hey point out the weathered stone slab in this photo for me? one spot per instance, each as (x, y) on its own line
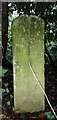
(28, 46)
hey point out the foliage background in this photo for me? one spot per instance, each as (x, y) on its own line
(48, 12)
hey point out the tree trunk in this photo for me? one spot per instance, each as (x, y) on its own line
(0, 33)
(4, 28)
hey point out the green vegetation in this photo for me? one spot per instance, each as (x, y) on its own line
(2, 73)
(49, 115)
(47, 11)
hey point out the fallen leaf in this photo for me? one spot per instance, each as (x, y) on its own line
(41, 116)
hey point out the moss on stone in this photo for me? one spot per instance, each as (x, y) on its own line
(28, 46)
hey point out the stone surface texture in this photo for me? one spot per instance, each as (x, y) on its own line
(28, 46)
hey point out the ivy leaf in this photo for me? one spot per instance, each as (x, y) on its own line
(7, 90)
(49, 117)
(1, 91)
(13, 109)
(10, 20)
(6, 84)
(48, 113)
(8, 103)
(2, 71)
(11, 96)
(0, 80)
(52, 117)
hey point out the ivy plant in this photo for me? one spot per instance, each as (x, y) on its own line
(50, 116)
(2, 73)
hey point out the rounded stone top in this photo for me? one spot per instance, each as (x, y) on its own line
(34, 17)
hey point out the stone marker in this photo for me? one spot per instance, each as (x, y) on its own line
(28, 46)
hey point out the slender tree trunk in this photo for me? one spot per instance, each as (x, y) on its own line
(0, 33)
(4, 28)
